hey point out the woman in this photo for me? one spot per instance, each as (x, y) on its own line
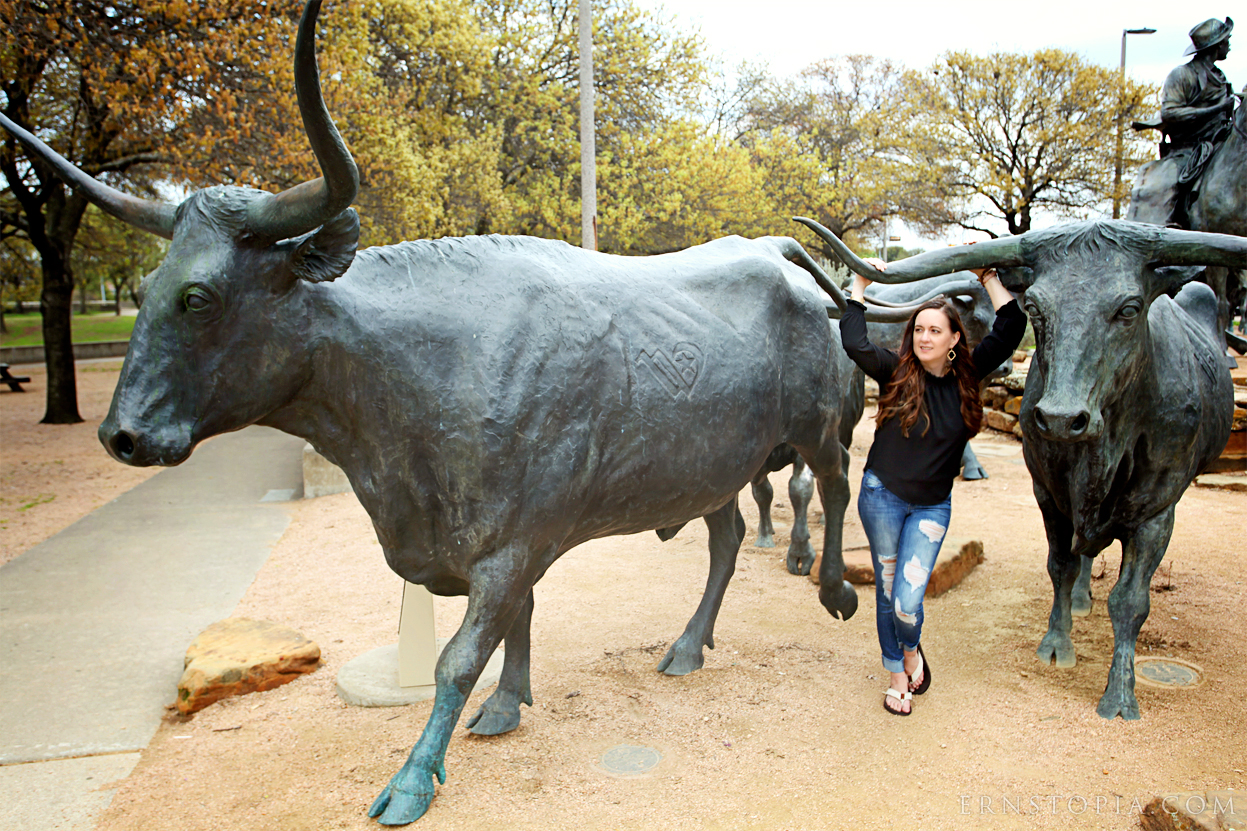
(929, 407)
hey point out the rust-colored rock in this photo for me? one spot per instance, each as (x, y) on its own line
(1211, 811)
(997, 420)
(949, 571)
(1014, 405)
(1234, 457)
(236, 656)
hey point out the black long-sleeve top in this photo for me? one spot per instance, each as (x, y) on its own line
(920, 469)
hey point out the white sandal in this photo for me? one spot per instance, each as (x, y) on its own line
(899, 696)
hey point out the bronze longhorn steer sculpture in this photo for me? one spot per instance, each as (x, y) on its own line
(1127, 399)
(494, 401)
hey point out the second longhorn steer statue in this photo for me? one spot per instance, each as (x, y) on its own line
(1127, 399)
(494, 401)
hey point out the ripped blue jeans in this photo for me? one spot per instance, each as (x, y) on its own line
(904, 541)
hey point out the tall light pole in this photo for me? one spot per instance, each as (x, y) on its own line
(1121, 102)
(588, 149)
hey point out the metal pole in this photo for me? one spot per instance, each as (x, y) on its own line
(1121, 103)
(1121, 97)
(588, 150)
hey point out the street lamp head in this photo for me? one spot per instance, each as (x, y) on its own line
(1143, 31)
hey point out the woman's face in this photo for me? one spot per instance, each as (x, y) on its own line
(933, 338)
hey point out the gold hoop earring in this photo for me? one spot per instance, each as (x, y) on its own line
(952, 356)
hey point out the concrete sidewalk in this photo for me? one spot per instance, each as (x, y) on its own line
(94, 622)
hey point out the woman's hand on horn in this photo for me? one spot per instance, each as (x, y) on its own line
(857, 290)
(985, 274)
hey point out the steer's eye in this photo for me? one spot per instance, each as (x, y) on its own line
(1129, 312)
(197, 300)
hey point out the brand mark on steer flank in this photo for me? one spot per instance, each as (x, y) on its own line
(677, 373)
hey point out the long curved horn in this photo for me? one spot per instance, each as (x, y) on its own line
(1006, 251)
(1177, 247)
(949, 289)
(793, 252)
(310, 204)
(156, 217)
(876, 313)
(890, 314)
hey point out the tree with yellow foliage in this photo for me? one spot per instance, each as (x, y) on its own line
(1014, 134)
(836, 143)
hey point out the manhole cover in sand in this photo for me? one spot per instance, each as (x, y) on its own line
(630, 760)
(1167, 672)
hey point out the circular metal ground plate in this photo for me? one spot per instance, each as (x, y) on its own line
(1168, 673)
(630, 760)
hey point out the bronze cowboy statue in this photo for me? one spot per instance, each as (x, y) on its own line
(1196, 109)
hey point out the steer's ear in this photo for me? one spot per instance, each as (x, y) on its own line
(327, 253)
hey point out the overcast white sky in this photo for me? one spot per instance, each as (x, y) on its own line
(790, 34)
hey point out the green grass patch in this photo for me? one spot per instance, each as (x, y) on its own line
(41, 499)
(27, 329)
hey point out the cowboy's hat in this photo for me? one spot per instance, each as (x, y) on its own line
(1209, 33)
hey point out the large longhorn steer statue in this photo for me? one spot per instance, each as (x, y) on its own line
(495, 401)
(1127, 399)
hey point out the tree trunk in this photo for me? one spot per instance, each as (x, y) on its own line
(56, 305)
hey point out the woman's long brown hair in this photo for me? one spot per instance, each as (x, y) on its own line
(904, 396)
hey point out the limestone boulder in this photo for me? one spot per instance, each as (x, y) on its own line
(1015, 382)
(998, 420)
(238, 656)
(995, 396)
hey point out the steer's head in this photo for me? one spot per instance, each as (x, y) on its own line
(217, 343)
(1089, 288)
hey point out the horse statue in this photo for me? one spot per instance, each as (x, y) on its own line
(1218, 204)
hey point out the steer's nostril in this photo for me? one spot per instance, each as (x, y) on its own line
(1079, 424)
(1041, 422)
(123, 445)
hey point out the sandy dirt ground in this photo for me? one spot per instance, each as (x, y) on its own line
(782, 729)
(53, 474)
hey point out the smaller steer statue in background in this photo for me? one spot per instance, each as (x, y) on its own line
(1127, 399)
(494, 401)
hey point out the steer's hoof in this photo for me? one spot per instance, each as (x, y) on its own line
(493, 720)
(765, 541)
(396, 806)
(680, 660)
(973, 473)
(1058, 647)
(409, 793)
(1080, 604)
(800, 558)
(840, 600)
(1114, 704)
